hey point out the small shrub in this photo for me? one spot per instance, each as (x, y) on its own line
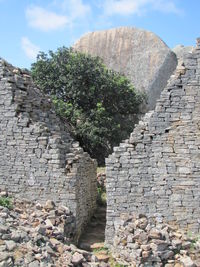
(97, 250)
(101, 197)
(6, 202)
(114, 263)
(193, 239)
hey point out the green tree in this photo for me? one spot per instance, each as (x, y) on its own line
(100, 104)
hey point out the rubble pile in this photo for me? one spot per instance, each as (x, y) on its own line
(140, 241)
(41, 235)
(36, 235)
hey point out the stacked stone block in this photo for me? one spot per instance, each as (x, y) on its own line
(38, 158)
(156, 171)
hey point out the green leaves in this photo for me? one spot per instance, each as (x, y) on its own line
(100, 104)
(6, 202)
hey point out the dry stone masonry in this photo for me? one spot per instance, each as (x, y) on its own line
(139, 54)
(38, 158)
(156, 171)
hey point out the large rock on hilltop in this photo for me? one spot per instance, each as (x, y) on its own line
(139, 54)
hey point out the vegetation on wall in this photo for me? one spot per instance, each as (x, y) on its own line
(99, 104)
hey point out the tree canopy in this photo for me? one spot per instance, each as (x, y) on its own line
(99, 104)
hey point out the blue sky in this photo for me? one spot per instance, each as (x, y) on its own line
(29, 26)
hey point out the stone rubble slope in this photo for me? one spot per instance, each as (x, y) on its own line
(139, 54)
(140, 241)
(36, 235)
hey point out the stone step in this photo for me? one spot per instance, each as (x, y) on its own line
(95, 224)
(87, 243)
(95, 232)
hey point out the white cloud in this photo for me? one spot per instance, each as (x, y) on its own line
(29, 48)
(138, 7)
(75, 8)
(122, 7)
(166, 6)
(44, 20)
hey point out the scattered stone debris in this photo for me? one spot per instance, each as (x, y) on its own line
(35, 235)
(140, 241)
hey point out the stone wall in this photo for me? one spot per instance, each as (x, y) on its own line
(38, 158)
(156, 171)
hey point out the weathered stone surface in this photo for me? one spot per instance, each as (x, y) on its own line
(77, 259)
(140, 55)
(10, 244)
(187, 262)
(39, 160)
(182, 51)
(159, 163)
(102, 257)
